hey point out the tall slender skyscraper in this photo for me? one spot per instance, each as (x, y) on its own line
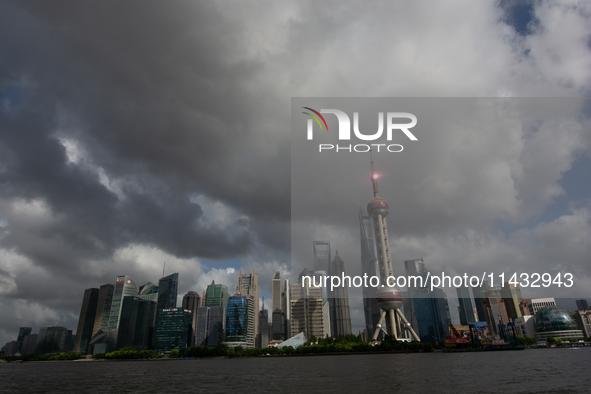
(103, 309)
(248, 285)
(286, 308)
(276, 314)
(192, 302)
(466, 306)
(86, 320)
(124, 286)
(370, 266)
(389, 298)
(168, 291)
(341, 321)
(511, 296)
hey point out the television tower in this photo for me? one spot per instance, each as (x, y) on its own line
(389, 298)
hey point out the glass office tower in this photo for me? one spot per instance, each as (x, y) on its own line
(168, 291)
(173, 329)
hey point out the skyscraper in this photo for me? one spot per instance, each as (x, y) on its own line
(322, 262)
(341, 321)
(53, 339)
(511, 296)
(479, 297)
(173, 328)
(286, 308)
(124, 286)
(192, 302)
(389, 298)
(240, 321)
(307, 310)
(322, 255)
(103, 309)
(216, 295)
(495, 311)
(277, 315)
(136, 324)
(86, 320)
(210, 326)
(264, 326)
(248, 285)
(168, 291)
(370, 266)
(466, 307)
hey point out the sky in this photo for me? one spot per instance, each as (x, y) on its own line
(135, 133)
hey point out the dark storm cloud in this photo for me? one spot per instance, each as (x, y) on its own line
(154, 104)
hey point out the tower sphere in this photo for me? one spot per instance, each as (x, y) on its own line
(389, 298)
(378, 206)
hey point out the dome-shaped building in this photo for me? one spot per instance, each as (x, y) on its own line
(556, 322)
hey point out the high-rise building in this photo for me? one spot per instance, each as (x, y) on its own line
(136, 325)
(369, 266)
(173, 327)
(53, 339)
(479, 298)
(248, 285)
(341, 321)
(430, 310)
(323, 262)
(582, 305)
(322, 257)
(511, 296)
(412, 268)
(466, 308)
(314, 278)
(277, 316)
(86, 320)
(103, 309)
(210, 327)
(124, 286)
(192, 302)
(29, 344)
(240, 321)
(168, 291)
(264, 326)
(216, 295)
(23, 332)
(286, 309)
(307, 310)
(495, 311)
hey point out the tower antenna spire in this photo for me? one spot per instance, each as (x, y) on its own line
(163, 267)
(374, 177)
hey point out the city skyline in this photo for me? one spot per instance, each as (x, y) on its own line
(126, 143)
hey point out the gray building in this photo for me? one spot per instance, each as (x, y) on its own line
(248, 285)
(466, 309)
(192, 302)
(53, 339)
(86, 320)
(29, 344)
(341, 314)
(369, 266)
(210, 326)
(103, 310)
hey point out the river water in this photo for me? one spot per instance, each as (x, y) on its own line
(560, 370)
